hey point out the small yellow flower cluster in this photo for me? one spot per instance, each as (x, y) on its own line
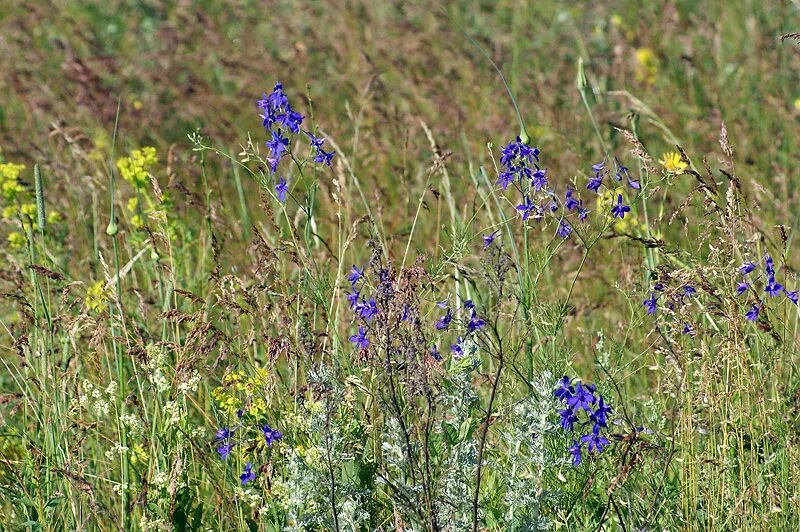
(96, 296)
(135, 169)
(238, 390)
(16, 202)
(646, 65)
(673, 163)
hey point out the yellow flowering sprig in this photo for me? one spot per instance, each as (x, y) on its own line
(673, 163)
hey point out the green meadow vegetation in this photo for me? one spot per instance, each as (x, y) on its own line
(375, 266)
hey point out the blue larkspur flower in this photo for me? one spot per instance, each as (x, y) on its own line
(594, 441)
(650, 304)
(741, 288)
(527, 208)
(619, 210)
(271, 435)
(565, 389)
(247, 475)
(747, 267)
(488, 239)
(791, 295)
(752, 314)
(281, 189)
(475, 323)
(563, 229)
(443, 323)
(568, 418)
(224, 450)
(360, 339)
(277, 145)
(355, 275)
(570, 202)
(583, 397)
(456, 349)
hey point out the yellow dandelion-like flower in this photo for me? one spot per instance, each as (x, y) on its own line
(673, 163)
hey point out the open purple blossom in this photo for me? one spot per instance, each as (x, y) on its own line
(355, 275)
(688, 290)
(443, 323)
(688, 329)
(224, 450)
(488, 239)
(281, 189)
(565, 389)
(595, 442)
(367, 309)
(747, 267)
(248, 474)
(570, 202)
(223, 433)
(619, 210)
(600, 415)
(564, 229)
(468, 304)
(360, 339)
(456, 349)
(650, 303)
(474, 323)
(773, 288)
(271, 435)
(539, 179)
(526, 208)
(583, 397)
(323, 157)
(791, 296)
(277, 145)
(290, 120)
(352, 298)
(741, 288)
(315, 142)
(752, 314)
(568, 418)
(505, 179)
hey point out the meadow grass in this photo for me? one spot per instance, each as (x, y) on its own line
(179, 349)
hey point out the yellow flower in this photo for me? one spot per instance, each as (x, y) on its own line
(616, 20)
(16, 240)
(53, 217)
(135, 169)
(139, 455)
(96, 296)
(646, 65)
(137, 222)
(28, 209)
(10, 171)
(673, 163)
(797, 104)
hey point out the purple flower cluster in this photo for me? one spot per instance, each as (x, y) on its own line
(772, 287)
(224, 437)
(472, 322)
(585, 407)
(281, 122)
(680, 298)
(365, 307)
(520, 167)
